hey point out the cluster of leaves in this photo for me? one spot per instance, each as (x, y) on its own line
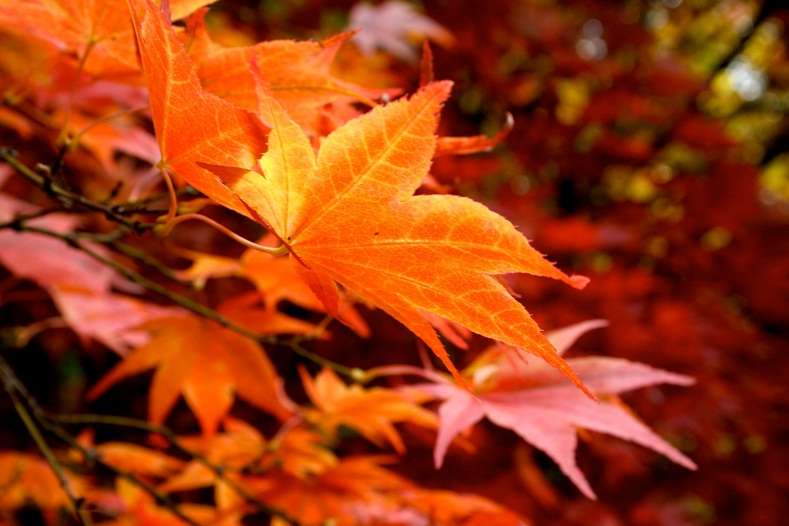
(651, 168)
(129, 123)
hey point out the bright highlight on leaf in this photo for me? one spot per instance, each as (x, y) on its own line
(348, 214)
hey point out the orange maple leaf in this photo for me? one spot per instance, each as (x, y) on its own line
(349, 216)
(96, 31)
(132, 505)
(191, 124)
(27, 478)
(243, 453)
(372, 412)
(205, 362)
(298, 73)
(359, 490)
(276, 279)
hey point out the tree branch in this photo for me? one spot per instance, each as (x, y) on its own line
(74, 240)
(10, 383)
(219, 471)
(67, 198)
(37, 417)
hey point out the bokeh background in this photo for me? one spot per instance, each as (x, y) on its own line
(650, 153)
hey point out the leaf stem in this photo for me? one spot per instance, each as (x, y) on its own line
(172, 209)
(280, 250)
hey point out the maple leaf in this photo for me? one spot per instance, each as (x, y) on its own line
(332, 493)
(238, 446)
(207, 364)
(532, 400)
(360, 491)
(246, 310)
(299, 452)
(95, 29)
(279, 279)
(104, 139)
(78, 284)
(297, 73)
(339, 404)
(137, 459)
(392, 26)
(348, 215)
(295, 449)
(27, 478)
(276, 279)
(133, 505)
(241, 450)
(192, 125)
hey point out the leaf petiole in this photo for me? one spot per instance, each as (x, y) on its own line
(166, 227)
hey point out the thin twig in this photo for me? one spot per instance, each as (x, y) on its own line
(132, 275)
(172, 207)
(68, 198)
(36, 414)
(219, 472)
(10, 382)
(140, 206)
(73, 240)
(113, 240)
(145, 258)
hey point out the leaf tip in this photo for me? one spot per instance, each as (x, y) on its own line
(426, 65)
(439, 89)
(578, 281)
(565, 369)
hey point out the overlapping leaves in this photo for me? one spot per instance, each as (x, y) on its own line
(348, 214)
